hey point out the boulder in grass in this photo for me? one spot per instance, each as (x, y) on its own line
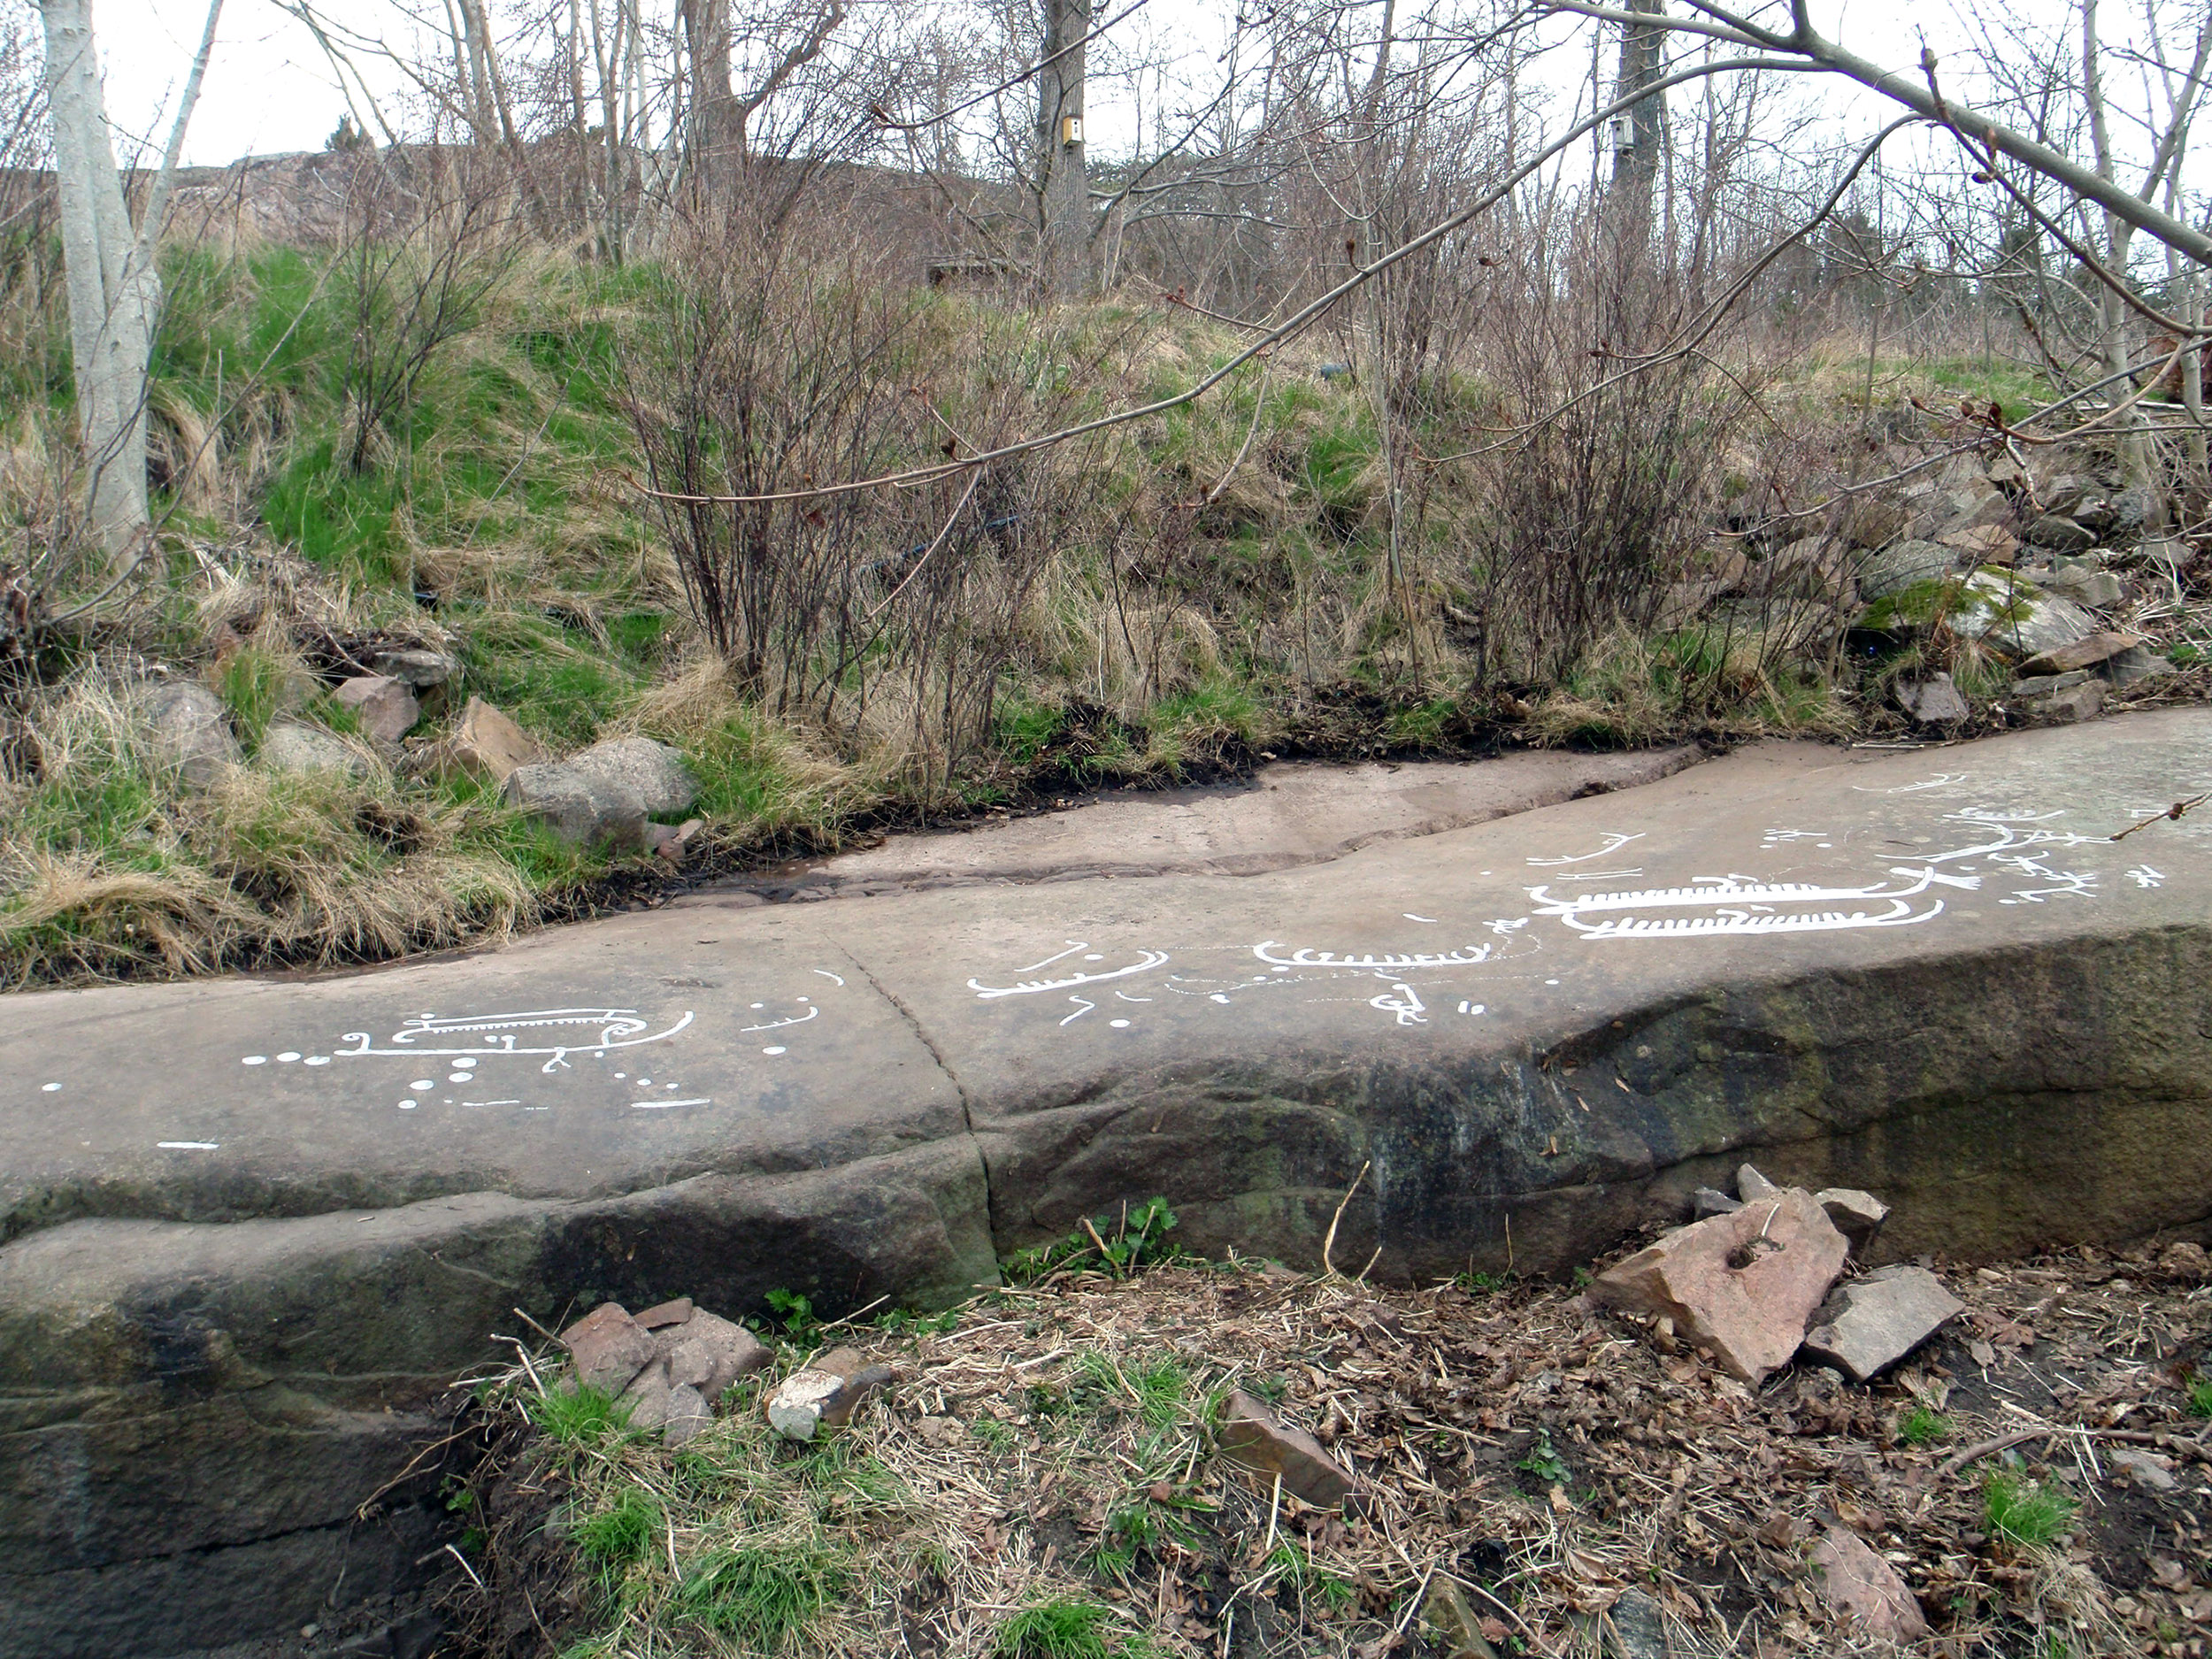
(486, 744)
(1931, 701)
(1901, 565)
(654, 772)
(385, 707)
(190, 730)
(415, 666)
(579, 807)
(296, 747)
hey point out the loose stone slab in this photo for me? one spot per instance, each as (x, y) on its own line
(1251, 1437)
(1874, 1322)
(1856, 1581)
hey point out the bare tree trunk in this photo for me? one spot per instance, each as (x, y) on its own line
(1638, 135)
(1063, 182)
(114, 289)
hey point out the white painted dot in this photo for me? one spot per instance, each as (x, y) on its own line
(318, 1059)
(1551, 982)
(424, 1083)
(465, 1063)
(50, 1088)
(620, 1075)
(1094, 957)
(255, 1059)
(806, 999)
(775, 1051)
(407, 1105)
(672, 1085)
(760, 1005)
(458, 1077)
(1216, 997)
(598, 1054)
(645, 1082)
(1117, 1023)
(287, 1057)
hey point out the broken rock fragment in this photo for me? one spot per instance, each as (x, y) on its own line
(687, 1413)
(1860, 1583)
(1872, 1322)
(1743, 1284)
(1710, 1201)
(609, 1347)
(1858, 1215)
(1250, 1436)
(1750, 1185)
(824, 1394)
(385, 707)
(709, 1353)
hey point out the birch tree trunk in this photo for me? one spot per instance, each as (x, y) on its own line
(114, 295)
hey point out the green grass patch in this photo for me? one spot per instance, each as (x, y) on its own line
(765, 1596)
(2022, 1511)
(581, 1417)
(1922, 1427)
(1060, 1629)
(614, 1539)
(2201, 1396)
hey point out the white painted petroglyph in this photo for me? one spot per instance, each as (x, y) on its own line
(668, 1105)
(188, 1145)
(777, 1024)
(1613, 843)
(1402, 1001)
(1148, 960)
(1389, 962)
(613, 1028)
(826, 974)
(2144, 876)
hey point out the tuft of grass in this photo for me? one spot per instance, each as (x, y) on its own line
(2201, 1396)
(615, 1538)
(1922, 1427)
(1059, 1629)
(1137, 1239)
(580, 1418)
(2022, 1511)
(766, 1596)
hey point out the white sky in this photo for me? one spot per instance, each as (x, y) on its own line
(269, 89)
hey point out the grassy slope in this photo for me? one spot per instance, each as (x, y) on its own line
(497, 488)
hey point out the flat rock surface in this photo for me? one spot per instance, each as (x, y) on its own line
(257, 1223)
(1289, 814)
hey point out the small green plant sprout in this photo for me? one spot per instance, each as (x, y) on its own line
(1544, 1462)
(795, 1310)
(2201, 1395)
(1923, 1427)
(1314, 1584)
(1059, 1629)
(2023, 1512)
(1121, 1245)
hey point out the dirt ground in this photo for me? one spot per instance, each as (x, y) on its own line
(1590, 1486)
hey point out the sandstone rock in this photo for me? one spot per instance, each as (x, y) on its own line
(687, 1413)
(415, 667)
(654, 772)
(385, 707)
(1251, 1437)
(607, 1346)
(1858, 1215)
(2090, 588)
(2047, 685)
(1743, 1285)
(190, 730)
(2166, 555)
(1634, 1628)
(1859, 1583)
(2060, 534)
(2012, 616)
(1901, 565)
(647, 1398)
(2135, 509)
(671, 844)
(2086, 653)
(2145, 1469)
(1982, 544)
(578, 807)
(1872, 1322)
(2136, 665)
(1454, 1627)
(2006, 473)
(2062, 492)
(1934, 701)
(824, 1395)
(293, 746)
(709, 1353)
(1869, 523)
(664, 1313)
(1750, 1184)
(489, 745)
(2065, 704)
(1708, 1201)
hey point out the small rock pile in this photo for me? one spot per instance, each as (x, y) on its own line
(1752, 1283)
(668, 1367)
